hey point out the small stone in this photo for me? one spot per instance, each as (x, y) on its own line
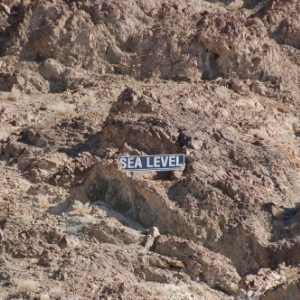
(277, 212)
(153, 231)
(175, 175)
(4, 276)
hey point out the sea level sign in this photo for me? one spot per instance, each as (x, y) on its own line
(162, 162)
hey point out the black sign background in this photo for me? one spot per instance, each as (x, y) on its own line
(163, 162)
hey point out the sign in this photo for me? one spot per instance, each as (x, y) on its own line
(163, 162)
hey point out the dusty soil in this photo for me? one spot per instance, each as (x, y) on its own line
(83, 82)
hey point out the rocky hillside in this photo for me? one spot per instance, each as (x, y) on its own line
(84, 82)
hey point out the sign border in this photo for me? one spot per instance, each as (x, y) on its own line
(154, 169)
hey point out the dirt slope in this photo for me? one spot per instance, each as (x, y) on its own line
(83, 82)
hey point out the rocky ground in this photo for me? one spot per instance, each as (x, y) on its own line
(83, 82)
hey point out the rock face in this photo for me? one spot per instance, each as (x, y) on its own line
(200, 263)
(84, 82)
